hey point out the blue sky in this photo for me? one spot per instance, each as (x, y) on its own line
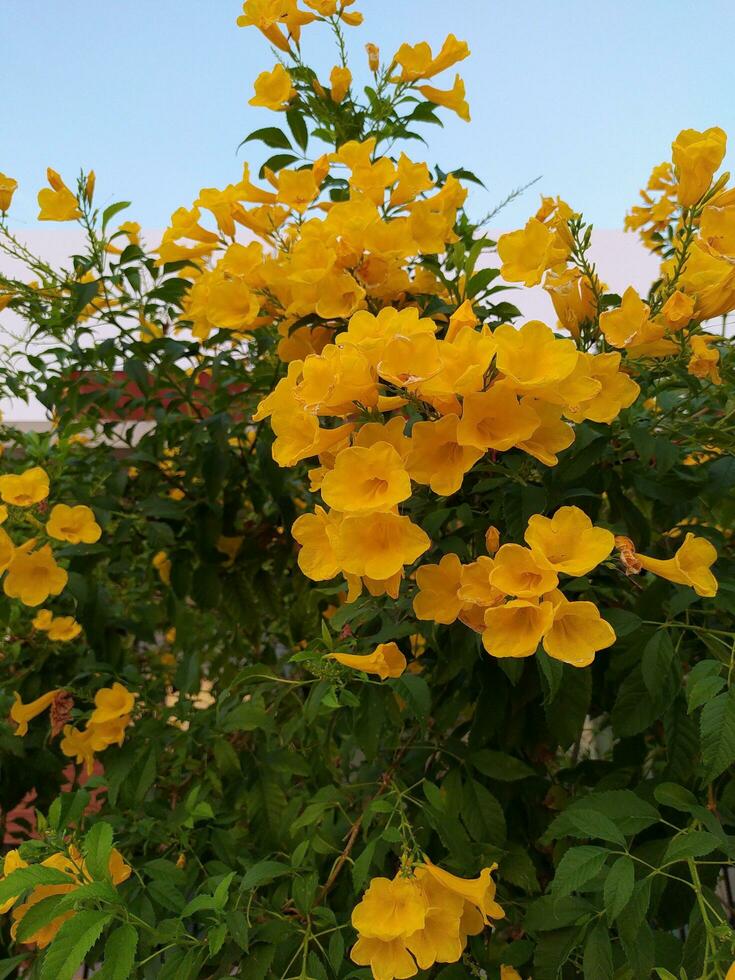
(153, 93)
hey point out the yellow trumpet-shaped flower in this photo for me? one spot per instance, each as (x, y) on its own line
(696, 157)
(57, 203)
(527, 253)
(438, 599)
(577, 633)
(516, 628)
(73, 524)
(21, 713)
(63, 629)
(378, 545)
(366, 479)
(518, 571)
(436, 456)
(478, 892)
(568, 542)
(453, 98)
(533, 357)
(33, 576)
(273, 89)
(386, 660)
(8, 187)
(690, 566)
(112, 703)
(25, 489)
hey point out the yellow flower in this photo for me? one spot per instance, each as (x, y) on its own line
(573, 299)
(388, 960)
(12, 862)
(517, 628)
(527, 253)
(492, 540)
(273, 89)
(552, 435)
(42, 620)
(390, 909)
(568, 542)
(417, 60)
(366, 479)
(63, 628)
(509, 972)
(340, 80)
(7, 550)
(717, 225)
(440, 940)
(57, 203)
(532, 357)
(629, 326)
(689, 566)
(73, 524)
(373, 53)
(24, 489)
(46, 933)
(495, 419)
(33, 576)
(437, 458)
(386, 660)
(518, 571)
(21, 713)
(112, 703)
(478, 892)
(162, 564)
(300, 437)
(437, 599)
(710, 280)
(678, 310)
(616, 390)
(8, 187)
(696, 157)
(704, 360)
(314, 532)
(378, 545)
(453, 98)
(577, 632)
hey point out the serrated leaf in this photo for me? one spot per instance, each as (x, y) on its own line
(658, 658)
(717, 731)
(119, 957)
(73, 941)
(619, 886)
(37, 916)
(693, 844)
(415, 692)
(579, 865)
(264, 872)
(597, 963)
(96, 848)
(24, 878)
(500, 766)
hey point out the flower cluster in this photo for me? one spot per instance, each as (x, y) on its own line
(32, 573)
(105, 726)
(70, 864)
(421, 917)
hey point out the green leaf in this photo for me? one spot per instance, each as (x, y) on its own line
(119, 958)
(619, 886)
(264, 872)
(677, 797)
(96, 848)
(73, 941)
(598, 960)
(717, 731)
(582, 822)
(704, 682)
(498, 765)
(692, 844)
(658, 657)
(24, 878)
(552, 912)
(271, 136)
(415, 692)
(111, 210)
(579, 865)
(298, 127)
(277, 162)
